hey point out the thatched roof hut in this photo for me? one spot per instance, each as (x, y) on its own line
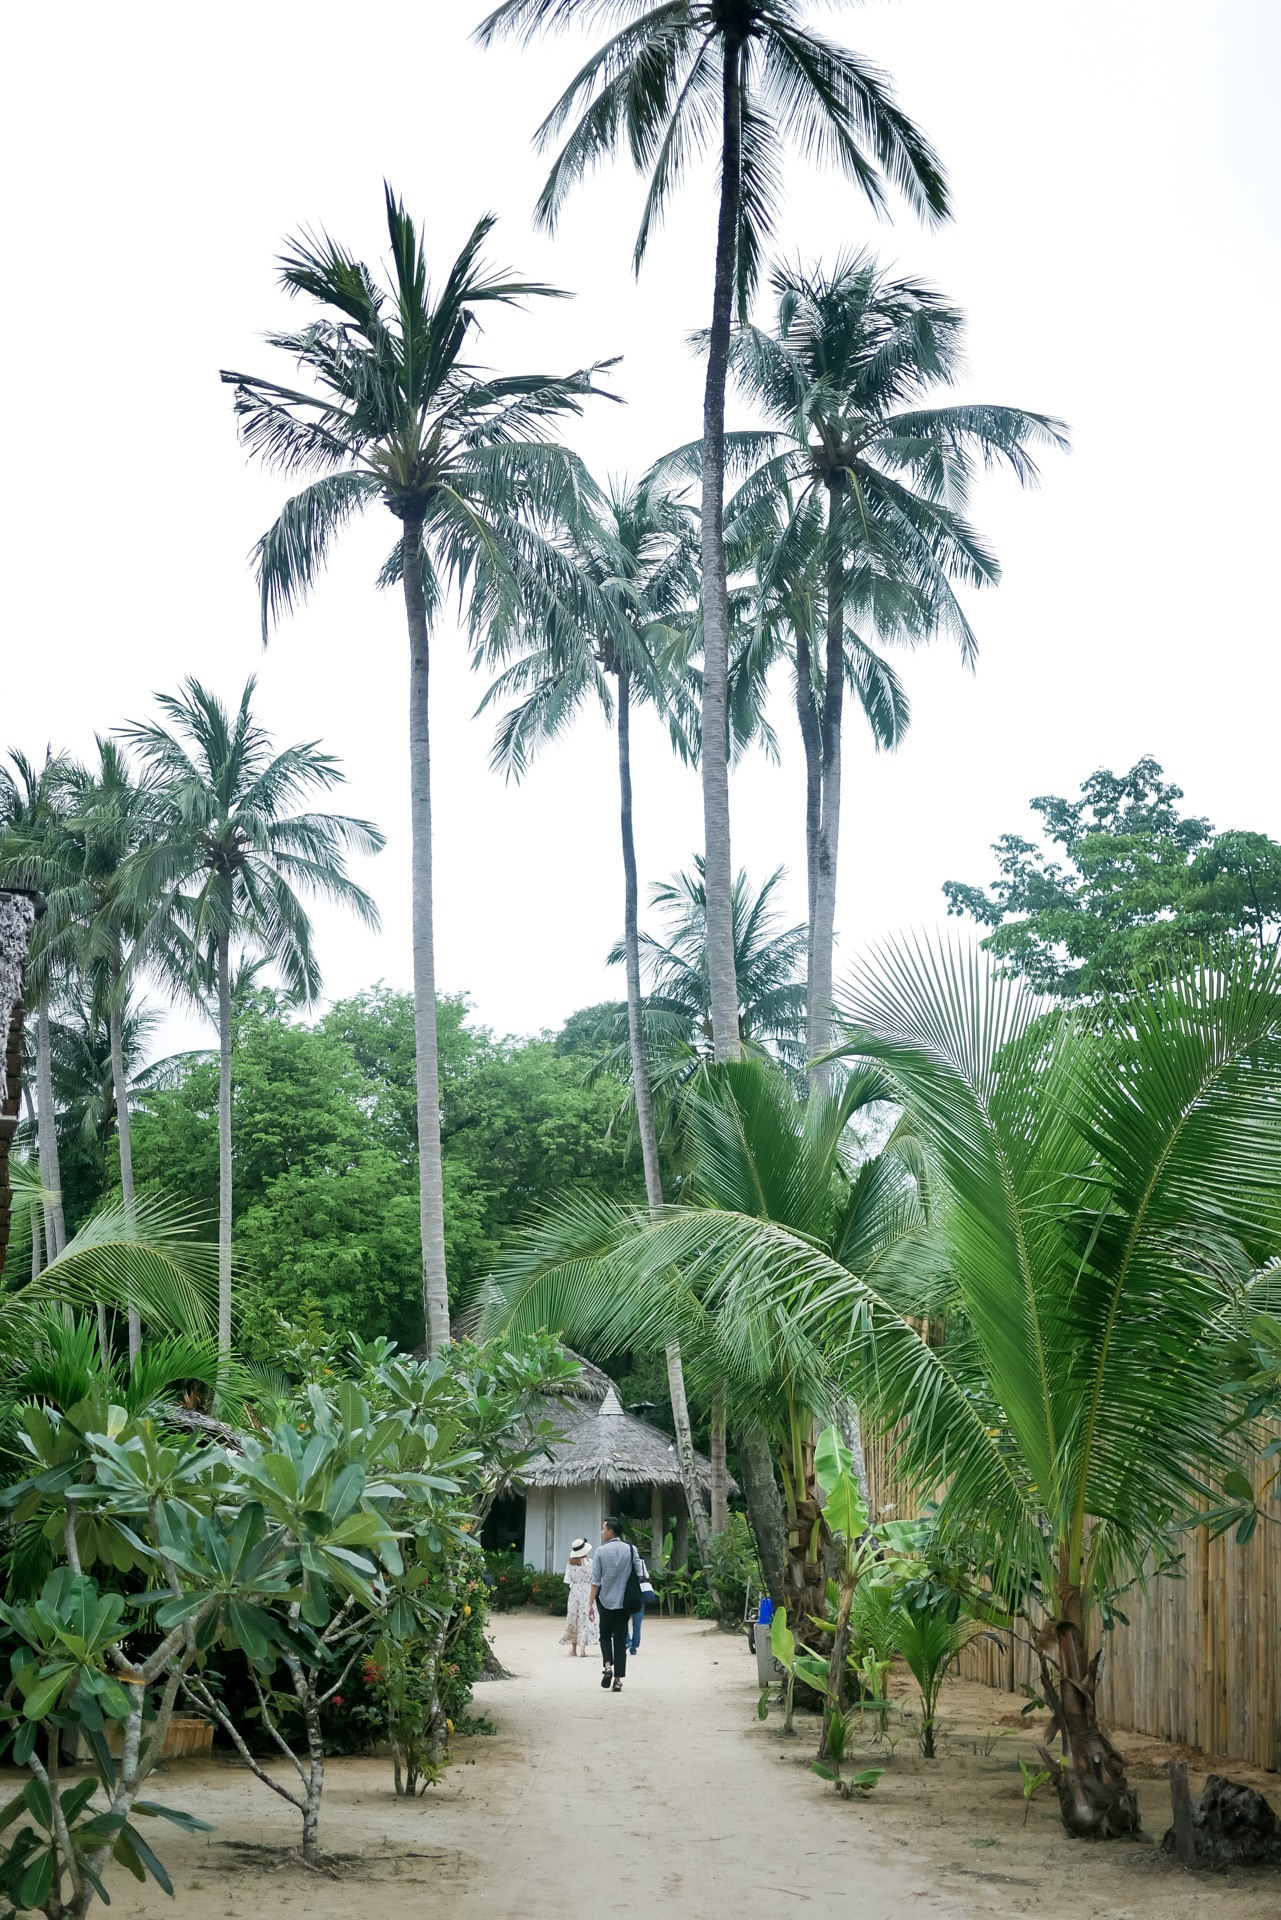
(606, 1444)
(605, 1453)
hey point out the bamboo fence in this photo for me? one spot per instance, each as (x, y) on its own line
(1199, 1662)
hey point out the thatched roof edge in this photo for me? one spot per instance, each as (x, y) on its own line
(612, 1446)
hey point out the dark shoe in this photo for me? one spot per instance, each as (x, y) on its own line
(618, 1686)
(607, 1676)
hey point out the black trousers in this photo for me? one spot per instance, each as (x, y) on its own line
(614, 1624)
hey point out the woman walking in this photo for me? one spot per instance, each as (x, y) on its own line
(581, 1631)
(616, 1576)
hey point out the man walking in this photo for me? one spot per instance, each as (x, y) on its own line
(614, 1564)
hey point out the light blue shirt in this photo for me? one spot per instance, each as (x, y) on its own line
(611, 1564)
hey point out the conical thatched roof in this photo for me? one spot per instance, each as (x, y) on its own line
(610, 1445)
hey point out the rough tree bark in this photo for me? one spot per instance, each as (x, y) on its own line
(1094, 1797)
(807, 1535)
(812, 744)
(120, 1089)
(764, 1505)
(685, 1452)
(431, 1191)
(716, 1453)
(224, 1143)
(819, 996)
(17, 916)
(55, 1231)
(631, 943)
(37, 1237)
(715, 755)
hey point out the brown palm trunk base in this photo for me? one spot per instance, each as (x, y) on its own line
(9, 1124)
(1095, 1799)
(835, 1702)
(806, 1576)
(18, 910)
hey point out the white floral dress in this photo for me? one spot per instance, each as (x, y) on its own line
(579, 1631)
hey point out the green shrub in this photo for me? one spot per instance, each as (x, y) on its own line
(513, 1584)
(734, 1569)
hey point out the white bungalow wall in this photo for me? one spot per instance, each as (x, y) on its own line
(577, 1511)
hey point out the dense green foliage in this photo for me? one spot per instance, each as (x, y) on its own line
(1136, 883)
(325, 1140)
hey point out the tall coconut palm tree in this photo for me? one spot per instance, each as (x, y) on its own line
(866, 476)
(30, 803)
(458, 456)
(745, 76)
(781, 614)
(106, 825)
(227, 859)
(637, 552)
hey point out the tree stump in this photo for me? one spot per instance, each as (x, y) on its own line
(1232, 1826)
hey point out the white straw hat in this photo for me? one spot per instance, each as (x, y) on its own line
(578, 1548)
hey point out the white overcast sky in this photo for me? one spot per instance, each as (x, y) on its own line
(1115, 173)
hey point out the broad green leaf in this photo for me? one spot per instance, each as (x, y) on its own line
(148, 1858)
(36, 1882)
(45, 1693)
(844, 1510)
(36, 1795)
(807, 1667)
(123, 1851)
(782, 1641)
(347, 1490)
(187, 1821)
(77, 1798)
(832, 1458)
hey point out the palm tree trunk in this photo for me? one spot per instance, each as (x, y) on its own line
(55, 1229)
(813, 808)
(431, 1184)
(121, 1092)
(715, 754)
(720, 1471)
(631, 942)
(820, 993)
(685, 1452)
(224, 1143)
(37, 1256)
(847, 1419)
(764, 1504)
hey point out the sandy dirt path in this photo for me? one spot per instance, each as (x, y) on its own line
(668, 1797)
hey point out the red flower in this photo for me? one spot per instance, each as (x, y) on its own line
(337, 1699)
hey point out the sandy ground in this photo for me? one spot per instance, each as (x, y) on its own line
(672, 1796)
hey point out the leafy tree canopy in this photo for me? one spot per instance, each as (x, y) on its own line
(1136, 883)
(326, 1169)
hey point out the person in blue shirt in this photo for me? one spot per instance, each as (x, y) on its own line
(612, 1566)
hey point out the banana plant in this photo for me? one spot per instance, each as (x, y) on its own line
(796, 1666)
(838, 1733)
